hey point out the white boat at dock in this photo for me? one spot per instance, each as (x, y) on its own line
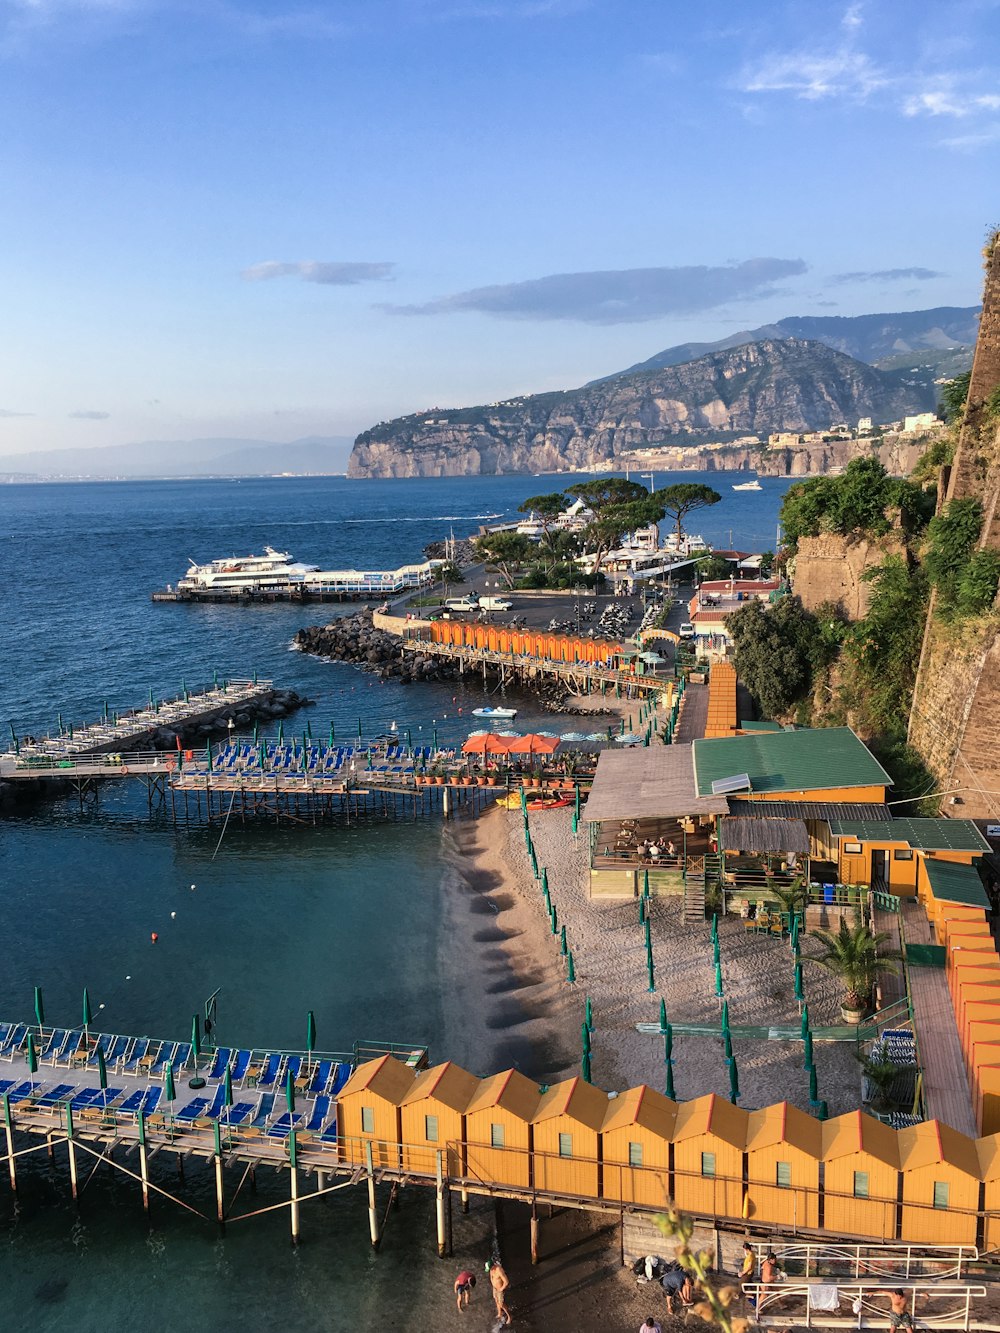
(505, 713)
(276, 576)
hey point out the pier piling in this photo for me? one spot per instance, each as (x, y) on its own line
(442, 1235)
(220, 1209)
(372, 1214)
(294, 1173)
(71, 1146)
(143, 1163)
(534, 1233)
(10, 1143)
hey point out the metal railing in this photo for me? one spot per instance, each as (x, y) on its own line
(822, 1259)
(792, 1303)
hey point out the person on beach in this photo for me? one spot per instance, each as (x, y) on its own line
(899, 1309)
(677, 1283)
(499, 1281)
(463, 1289)
(749, 1265)
(651, 1326)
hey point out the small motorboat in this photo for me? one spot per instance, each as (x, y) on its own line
(749, 486)
(494, 712)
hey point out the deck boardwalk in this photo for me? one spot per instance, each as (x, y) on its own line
(946, 1089)
(694, 715)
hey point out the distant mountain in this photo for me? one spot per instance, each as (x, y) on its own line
(756, 388)
(865, 337)
(183, 458)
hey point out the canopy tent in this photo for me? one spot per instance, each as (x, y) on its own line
(533, 743)
(487, 743)
(653, 783)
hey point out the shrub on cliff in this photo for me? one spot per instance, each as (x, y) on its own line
(774, 651)
(863, 499)
(951, 538)
(883, 649)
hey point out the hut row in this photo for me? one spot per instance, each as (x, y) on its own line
(722, 719)
(850, 1176)
(525, 643)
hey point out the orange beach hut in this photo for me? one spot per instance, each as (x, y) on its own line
(368, 1110)
(567, 1135)
(861, 1176)
(635, 1146)
(498, 1129)
(784, 1148)
(433, 1120)
(940, 1171)
(710, 1136)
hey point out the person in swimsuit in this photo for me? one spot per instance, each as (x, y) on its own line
(463, 1289)
(499, 1281)
(899, 1309)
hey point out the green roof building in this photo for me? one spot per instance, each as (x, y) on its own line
(827, 759)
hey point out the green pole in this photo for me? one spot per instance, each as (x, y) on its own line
(562, 944)
(588, 1012)
(668, 1043)
(808, 1061)
(555, 919)
(585, 1043)
(642, 910)
(649, 972)
(645, 883)
(663, 1014)
(669, 1085)
(570, 969)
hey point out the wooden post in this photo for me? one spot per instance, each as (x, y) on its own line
(442, 1239)
(72, 1151)
(143, 1165)
(446, 802)
(9, 1129)
(292, 1158)
(372, 1215)
(534, 1233)
(220, 1207)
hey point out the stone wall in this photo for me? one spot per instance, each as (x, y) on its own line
(829, 568)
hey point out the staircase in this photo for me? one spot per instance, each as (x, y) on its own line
(698, 874)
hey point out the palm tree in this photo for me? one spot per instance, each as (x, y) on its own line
(793, 897)
(881, 1075)
(855, 953)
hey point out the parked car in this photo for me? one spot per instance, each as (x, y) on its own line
(461, 604)
(686, 630)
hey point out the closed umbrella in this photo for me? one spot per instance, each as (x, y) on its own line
(102, 1073)
(290, 1092)
(585, 1068)
(669, 1084)
(195, 1040)
(805, 1021)
(718, 979)
(281, 733)
(39, 1010)
(585, 1037)
(715, 925)
(645, 883)
(808, 1061)
(227, 1089)
(799, 992)
(208, 755)
(663, 1014)
(32, 1057)
(734, 1082)
(813, 1084)
(87, 1017)
(310, 1033)
(716, 953)
(668, 1043)
(169, 1091)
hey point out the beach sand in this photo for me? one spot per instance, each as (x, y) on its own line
(511, 1004)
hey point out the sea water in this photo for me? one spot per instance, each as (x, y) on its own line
(280, 920)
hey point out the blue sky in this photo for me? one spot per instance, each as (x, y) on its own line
(272, 220)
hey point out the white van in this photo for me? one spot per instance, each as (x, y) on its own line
(495, 604)
(461, 604)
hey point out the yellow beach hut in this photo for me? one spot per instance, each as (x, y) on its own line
(498, 1129)
(433, 1119)
(988, 1152)
(368, 1110)
(635, 1146)
(784, 1149)
(940, 1169)
(567, 1138)
(861, 1176)
(710, 1136)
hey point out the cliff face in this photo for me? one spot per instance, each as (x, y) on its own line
(830, 568)
(756, 389)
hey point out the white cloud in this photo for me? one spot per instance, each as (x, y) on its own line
(942, 98)
(813, 75)
(332, 274)
(6, 414)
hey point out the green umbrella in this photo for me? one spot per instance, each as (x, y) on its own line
(808, 1061)
(663, 1014)
(545, 879)
(799, 992)
(570, 968)
(725, 1015)
(715, 925)
(195, 1040)
(227, 1088)
(310, 1032)
(649, 937)
(716, 953)
(309, 730)
(805, 1021)
(87, 1017)
(290, 1092)
(555, 920)
(208, 755)
(577, 806)
(650, 972)
(585, 1038)
(585, 1068)
(813, 1084)
(562, 944)
(669, 1085)
(281, 732)
(169, 1091)
(727, 1044)
(61, 722)
(102, 1072)
(734, 1082)
(588, 1011)
(645, 883)
(39, 1009)
(256, 732)
(718, 979)
(32, 1054)
(333, 733)
(668, 1043)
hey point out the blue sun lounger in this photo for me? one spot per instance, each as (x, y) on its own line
(86, 1098)
(292, 1066)
(23, 1090)
(215, 1110)
(101, 1044)
(282, 1127)
(194, 1110)
(58, 1094)
(56, 1038)
(138, 1051)
(270, 1072)
(264, 1108)
(223, 1055)
(5, 1085)
(14, 1039)
(340, 1076)
(240, 1065)
(329, 1134)
(145, 1100)
(164, 1057)
(4, 1033)
(69, 1046)
(116, 1050)
(321, 1077)
(238, 1113)
(320, 1112)
(182, 1053)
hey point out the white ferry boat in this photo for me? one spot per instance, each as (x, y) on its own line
(272, 571)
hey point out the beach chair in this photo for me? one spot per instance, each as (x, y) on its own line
(341, 1073)
(117, 1050)
(24, 1090)
(69, 1047)
(101, 1044)
(321, 1077)
(269, 1074)
(264, 1108)
(14, 1040)
(5, 1085)
(240, 1065)
(182, 1053)
(329, 1135)
(56, 1038)
(194, 1110)
(217, 1107)
(57, 1094)
(86, 1097)
(239, 1113)
(164, 1057)
(223, 1054)
(292, 1066)
(139, 1049)
(283, 1126)
(320, 1111)
(134, 1102)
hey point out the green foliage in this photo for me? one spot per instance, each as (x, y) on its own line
(766, 564)
(774, 652)
(547, 507)
(859, 500)
(450, 573)
(977, 584)
(911, 779)
(598, 495)
(950, 540)
(993, 403)
(508, 551)
(883, 649)
(683, 499)
(953, 395)
(855, 954)
(713, 567)
(934, 457)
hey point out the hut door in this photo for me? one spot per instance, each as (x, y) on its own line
(878, 869)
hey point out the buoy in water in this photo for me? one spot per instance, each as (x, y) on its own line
(194, 886)
(173, 916)
(129, 977)
(153, 936)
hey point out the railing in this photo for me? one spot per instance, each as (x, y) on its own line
(790, 1302)
(822, 1259)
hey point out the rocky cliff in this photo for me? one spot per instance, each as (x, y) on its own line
(781, 384)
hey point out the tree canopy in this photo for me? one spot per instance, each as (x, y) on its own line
(774, 651)
(507, 550)
(861, 499)
(618, 507)
(684, 498)
(953, 395)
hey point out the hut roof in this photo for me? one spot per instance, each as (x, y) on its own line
(988, 1152)
(446, 1083)
(856, 1132)
(768, 808)
(641, 1106)
(575, 1098)
(928, 835)
(510, 1090)
(953, 883)
(711, 1115)
(655, 783)
(385, 1077)
(790, 760)
(785, 1124)
(931, 1143)
(765, 835)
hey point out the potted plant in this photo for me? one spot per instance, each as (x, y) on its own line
(882, 1078)
(855, 953)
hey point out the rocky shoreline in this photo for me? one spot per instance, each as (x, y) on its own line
(355, 639)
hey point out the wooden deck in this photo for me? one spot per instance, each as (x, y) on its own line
(946, 1089)
(694, 715)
